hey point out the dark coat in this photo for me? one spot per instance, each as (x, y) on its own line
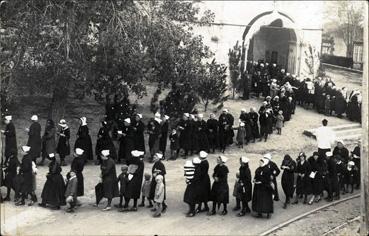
(48, 141)
(71, 189)
(77, 166)
(288, 177)
(341, 152)
(340, 104)
(26, 170)
(139, 139)
(174, 141)
(193, 192)
(275, 171)
(105, 142)
(220, 189)
(157, 168)
(63, 147)
(254, 117)
(134, 185)
(185, 134)
(212, 131)
(262, 199)
(245, 180)
(164, 137)
(11, 172)
(317, 182)
(154, 134)
(34, 139)
(84, 142)
(127, 144)
(54, 188)
(123, 182)
(109, 178)
(10, 140)
(204, 181)
(303, 182)
(202, 137)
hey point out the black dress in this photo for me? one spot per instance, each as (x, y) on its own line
(262, 199)
(11, 172)
(126, 143)
(192, 193)
(317, 181)
(133, 188)
(109, 179)
(54, 188)
(26, 171)
(139, 139)
(77, 166)
(204, 181)
(220, 189)
(185, 135)
(105, 142)
(63, 148)
(245, 179)
(288, 177)
(34, 140)
(203, 143)
(212, 132)
(303, 183)
(164, 137)
(342, 153)
(10, 140)
(84, 142)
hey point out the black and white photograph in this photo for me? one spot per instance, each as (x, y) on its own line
(184, 117)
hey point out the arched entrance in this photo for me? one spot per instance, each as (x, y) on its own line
(272, 37)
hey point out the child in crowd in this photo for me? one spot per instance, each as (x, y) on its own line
(123, 181)
(159, 195)
(174, 144)
(71, 191)
(18, 182)
(33, 195)
(350, 176)
(237, 190)
(146, 190)
(279, 122)
(241, 135)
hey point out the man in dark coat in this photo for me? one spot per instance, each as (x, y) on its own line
(77, 167)
(246, 186)
(48, 141)
(54, 188)
(26, 171)
(135, 176)
(262, 198)
(104, 142)
(212, 131)
(139, 128)
(205, 186)
(220, 190)
(164, 134)
(63, 148)
(154, 130)
(185, 134)
(108, 178)
(254, 118)
(264, 123)
(274, 170)
(10, 139)
(202, 131)
(225, 130)
(10, 173)
(158, 169)
(83, 140)
(34, 138)
(333, 177)
(303, 182)
(288, 178)
(126, 145)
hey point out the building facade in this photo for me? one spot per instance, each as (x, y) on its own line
(288, 33)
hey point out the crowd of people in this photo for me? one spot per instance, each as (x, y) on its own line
(335, 171)
(320, 94)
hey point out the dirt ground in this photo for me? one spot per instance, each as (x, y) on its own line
(88, 220)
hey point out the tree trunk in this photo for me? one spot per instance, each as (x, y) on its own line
(206, 105)
(59, 98)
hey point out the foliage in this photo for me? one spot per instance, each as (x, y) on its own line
(234, 67)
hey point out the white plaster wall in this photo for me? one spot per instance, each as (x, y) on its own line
(306, 14)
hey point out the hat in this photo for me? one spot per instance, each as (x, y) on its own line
(34, 117)
(52, 155)
(79, 151)
(200, 115)
(274, 64)
(225, 110)
(351, 163)
(242, 124)
(26, 148)
(158, 156)
(265, 103)
(243, 109)
(262, 65)
(192, 116)
(128, 120)
(196, 160)
(157, 115)
(329, 154)
(139, 115)
(265, 161)
(157, 119)
(268, 156)
(83, 120)
(105, 153)
(62, 123)
(186, 115)
(244, 159)
(223, 159)
(9, 118)
(137, 153)
(166, 117)
(203, 154)
(340, 141)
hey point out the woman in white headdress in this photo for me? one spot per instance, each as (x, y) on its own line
(84, 139)
(63, 148)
